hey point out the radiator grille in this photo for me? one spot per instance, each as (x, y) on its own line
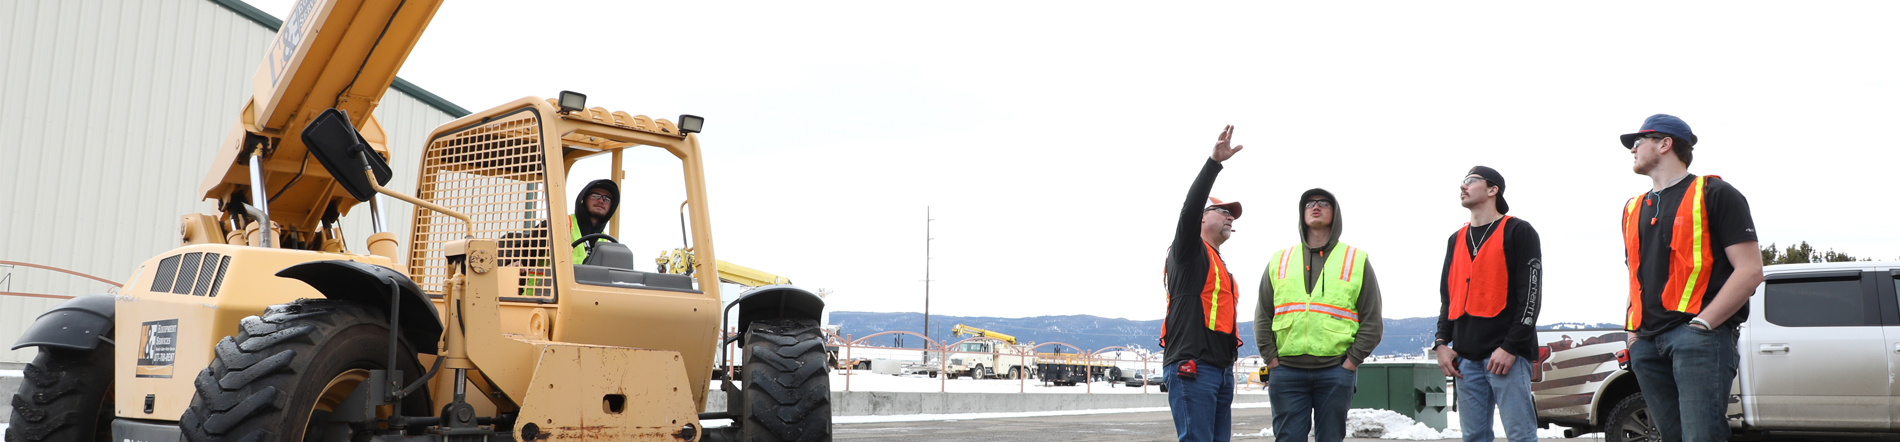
(167, 270)
(187, 273)
(496, 174)
(195, 273)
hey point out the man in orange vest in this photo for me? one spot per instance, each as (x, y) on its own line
(1197, 338)
(1690, 246)
(1488, 296)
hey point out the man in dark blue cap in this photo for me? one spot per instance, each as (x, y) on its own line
(1693, 262)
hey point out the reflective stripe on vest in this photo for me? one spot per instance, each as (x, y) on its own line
(1217, 294)
(1484, 297)
(1341, 312)
(1691, 256)
(1318, 321)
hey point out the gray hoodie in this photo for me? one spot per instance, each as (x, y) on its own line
(1371, 321)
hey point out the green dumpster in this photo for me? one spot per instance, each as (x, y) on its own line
(1413, 389)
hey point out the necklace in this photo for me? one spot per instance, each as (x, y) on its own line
(1480, 238)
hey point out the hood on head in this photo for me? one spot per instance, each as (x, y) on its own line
(1339, 219)
(581, 217)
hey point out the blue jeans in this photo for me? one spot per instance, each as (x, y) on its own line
(1685, 374)
(1480, 390)
(1310, 400)
(1203, 407)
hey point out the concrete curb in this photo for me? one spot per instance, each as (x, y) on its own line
(885, 403)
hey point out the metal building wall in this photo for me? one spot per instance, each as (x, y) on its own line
(110, 111)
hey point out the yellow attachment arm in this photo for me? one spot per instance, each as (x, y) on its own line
(964, 330)
(681, 262)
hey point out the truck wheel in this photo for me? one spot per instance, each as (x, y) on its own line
(787, 389)
(66, 396)
(980, 372)
(1015, 372)
(288, 368)
(1630, 422)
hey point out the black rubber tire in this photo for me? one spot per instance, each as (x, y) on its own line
(65, 397)
(1630, 421)
(263, 384)
(980, 372)
(787, 386)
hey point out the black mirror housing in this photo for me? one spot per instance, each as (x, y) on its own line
(342, 151)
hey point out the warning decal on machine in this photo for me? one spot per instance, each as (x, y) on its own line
(158, 346)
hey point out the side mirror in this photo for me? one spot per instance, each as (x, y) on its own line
(336, 144)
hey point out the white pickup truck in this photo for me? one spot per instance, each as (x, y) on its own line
(1820, 353)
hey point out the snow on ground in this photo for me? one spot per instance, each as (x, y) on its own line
(970, 416)
(1387, 424)
(12, 373)
(864, 380)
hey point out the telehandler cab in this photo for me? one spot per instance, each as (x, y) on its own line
(263, 326)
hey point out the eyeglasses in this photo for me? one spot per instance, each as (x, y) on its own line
(1317, 203)
(1639, 140)
(1471, 179)
(1223, 210)
(596, 196)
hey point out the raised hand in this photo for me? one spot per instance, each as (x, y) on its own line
(1221, 150)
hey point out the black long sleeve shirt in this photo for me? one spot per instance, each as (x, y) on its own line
(1515, 328)
(1187, 334)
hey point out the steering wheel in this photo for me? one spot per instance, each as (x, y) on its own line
(595, 237)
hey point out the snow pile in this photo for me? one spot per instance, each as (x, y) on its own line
(1388, 424)
(865, 380)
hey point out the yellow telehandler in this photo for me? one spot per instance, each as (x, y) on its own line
(264, 325)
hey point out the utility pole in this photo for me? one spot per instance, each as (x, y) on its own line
(927, 239)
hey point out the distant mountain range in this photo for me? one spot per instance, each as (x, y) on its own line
(1404, 336)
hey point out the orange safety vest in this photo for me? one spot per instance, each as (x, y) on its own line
(1217, 294)
(1217, 297)
(1486, 297)
(1691, 256)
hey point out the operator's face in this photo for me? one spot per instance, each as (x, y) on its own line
(599, 202)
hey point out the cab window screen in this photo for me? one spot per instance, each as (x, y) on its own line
(1819, 303)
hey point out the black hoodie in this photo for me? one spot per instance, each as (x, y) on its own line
(584, 219)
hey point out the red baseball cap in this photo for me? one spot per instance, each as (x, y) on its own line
(1233, 207)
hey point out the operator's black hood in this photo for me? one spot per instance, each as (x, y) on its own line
(582, 219)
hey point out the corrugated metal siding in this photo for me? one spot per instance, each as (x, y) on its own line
(110, 111)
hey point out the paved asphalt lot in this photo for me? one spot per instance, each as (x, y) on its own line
(1151, 426)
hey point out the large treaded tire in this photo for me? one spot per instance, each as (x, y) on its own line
(1630, 421)
(787, 389)
(263, 384)
(65, 397)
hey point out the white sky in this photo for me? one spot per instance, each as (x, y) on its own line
(1054, 141)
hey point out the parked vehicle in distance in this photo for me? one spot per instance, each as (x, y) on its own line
(1819, 354)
